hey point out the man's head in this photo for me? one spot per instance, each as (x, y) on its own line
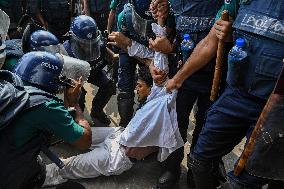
(42, 69)
(85, 38)
(144, 84)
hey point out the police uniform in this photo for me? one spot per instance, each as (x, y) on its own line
(39, 113)
(97, 77)
(236, 111)
(195, 18)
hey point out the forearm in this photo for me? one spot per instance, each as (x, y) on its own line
(201, 56)
(40, 18)
(80, 119)
(111, 18)
(86, 7)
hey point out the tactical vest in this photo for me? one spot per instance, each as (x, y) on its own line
(129, 31)
(20, 165)
(196, 17)
(54, 10)
(261, 24)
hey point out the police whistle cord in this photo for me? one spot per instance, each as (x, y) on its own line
(273, 99)
(219, 63)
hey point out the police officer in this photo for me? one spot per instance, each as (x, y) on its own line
(53, 15)
(43, 114)
(86, 44)
(134, 23)
(195, 18)
(238, 108)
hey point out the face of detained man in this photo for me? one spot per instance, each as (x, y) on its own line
(143, 90)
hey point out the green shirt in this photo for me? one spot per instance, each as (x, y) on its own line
(113, 4)
(232, 6)
(10, 63)
(51, 116)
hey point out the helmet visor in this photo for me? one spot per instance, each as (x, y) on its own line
(87, 50)
(74, 68)
(140, 25)
(53, 49)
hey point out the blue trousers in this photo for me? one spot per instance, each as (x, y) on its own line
(126, 72)
(231, 118)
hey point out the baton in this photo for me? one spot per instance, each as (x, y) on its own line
(219, 63)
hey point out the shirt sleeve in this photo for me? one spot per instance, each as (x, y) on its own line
(60, 122)
(232, 6)
(120, 20)
(113, 4)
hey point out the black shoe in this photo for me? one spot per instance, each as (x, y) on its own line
(190, 180)
(168, 180)
(101, 116)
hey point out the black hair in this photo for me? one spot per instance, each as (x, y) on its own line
(144, 75)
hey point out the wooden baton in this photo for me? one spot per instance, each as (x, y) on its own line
(219, 62)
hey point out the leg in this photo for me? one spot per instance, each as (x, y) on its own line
(126, 85)
(99, 161)
(105, 91)
(227, 123)
(170, 176)
(203, 104)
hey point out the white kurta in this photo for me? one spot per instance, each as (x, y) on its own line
(155, 124)
(107, 157)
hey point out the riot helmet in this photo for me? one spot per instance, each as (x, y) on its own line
(42, 40)
(42, 69)
(85, 38)
(141, 16)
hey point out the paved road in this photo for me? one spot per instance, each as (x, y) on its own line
(144, 174)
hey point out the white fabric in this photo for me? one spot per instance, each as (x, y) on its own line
(141, 51)
(106, 158)
(155, 124)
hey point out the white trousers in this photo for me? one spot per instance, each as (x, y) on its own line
(107, 157)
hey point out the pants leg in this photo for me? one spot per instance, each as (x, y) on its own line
(203, 104)
(227, 123)
(126, 85)
(185, 101)
(99, 161)
(105, 91)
